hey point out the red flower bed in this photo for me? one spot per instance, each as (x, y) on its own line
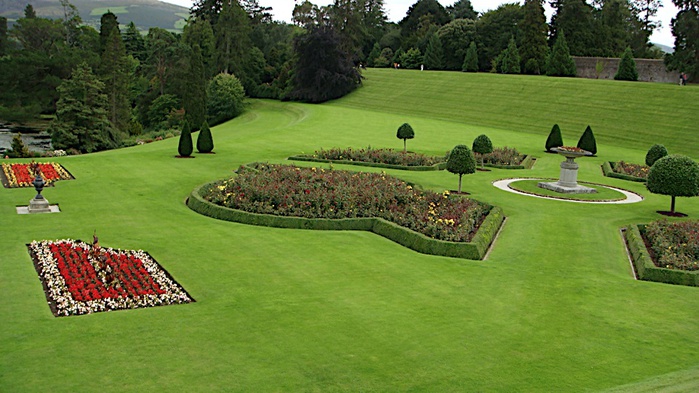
(81, 279)
(22, 175)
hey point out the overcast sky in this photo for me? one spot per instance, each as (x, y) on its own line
(396, 10)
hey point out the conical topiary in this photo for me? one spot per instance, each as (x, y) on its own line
(587, 141)
(555, 139)
(205, 142)
(655, 153)
(185, 147)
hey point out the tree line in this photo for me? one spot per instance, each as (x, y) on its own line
(119, 82)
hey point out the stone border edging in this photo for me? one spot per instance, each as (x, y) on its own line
(631, 197)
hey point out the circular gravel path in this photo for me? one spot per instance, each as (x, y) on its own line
(631, 197)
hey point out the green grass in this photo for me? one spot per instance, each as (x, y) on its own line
(553, 308)
(602, 194)
(114, 10)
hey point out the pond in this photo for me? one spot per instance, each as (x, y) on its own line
(38, 142)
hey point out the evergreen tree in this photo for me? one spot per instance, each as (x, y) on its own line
(587, 141)
(232, 33)
(533, 48)
(434, 54)
(405, 132)
(115, 72)
(560, 63)
(615, 27)
(462, 9)
(29, 12)
(225, 96)
(509, 59)
(3, 36)
(199, 31)
(461, 161)
(471, 59)
(134, 43)
(185, 148)
(554, 139)
(655, 153)
(411, 59)
(108, 23)
(482, 145)
(455, 37)
(162, 57)
(81, 121)
(494, 30)
(194, 97)
(627, 67)
(374, 54)
(674, 175)
(205, 141)
(685, 28)
(575, 17)
(19, 149)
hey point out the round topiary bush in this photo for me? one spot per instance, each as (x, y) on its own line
(674, 175)
(655, 153)
(405, 132)
(587, 141)
(482, 145)
(205, 142)
(461, 161)
(555, 139)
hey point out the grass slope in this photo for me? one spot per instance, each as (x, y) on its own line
(554, 308)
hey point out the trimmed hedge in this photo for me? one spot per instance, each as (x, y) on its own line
(527, 163)
(608, 171)
(436, 167)
(646, 269)
(475, 249)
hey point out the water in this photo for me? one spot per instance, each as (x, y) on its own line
(35, 142)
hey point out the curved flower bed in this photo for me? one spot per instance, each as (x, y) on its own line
(81, 279)
(22, 175)
(387, 158)
(286, 190)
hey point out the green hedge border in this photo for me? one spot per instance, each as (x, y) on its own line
(526, 163)
(609, 172)
(476, 249)
(644, 266)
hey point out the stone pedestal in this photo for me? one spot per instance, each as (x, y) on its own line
(569, 173)
(568, 179)
(39, 204)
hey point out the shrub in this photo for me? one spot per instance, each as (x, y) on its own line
(405, 132)
(482, 145)
(225, 96)
(555, 139)
(184, 148)
(655, 153)
(461, 161)
(559, 62)
(674, 175)
(635, 170)
(627, 67)
(205, 142)
(587, 141)
(501, 156)
(19, 149)
(411, 59)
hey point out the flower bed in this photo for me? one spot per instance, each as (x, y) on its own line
(81, 279)
(387, 158)
(22, 175)
(285, 190)
(625, 170)
(501, 157)
(675, 245)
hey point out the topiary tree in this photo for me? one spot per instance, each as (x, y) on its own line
(185, 146)
(627, 67)
(205, 142)
(461, 161)
(19, 149)
(655, 153)
(587, 141)
(674, 175)
(482, 145)
(405, 132)
(555, 139)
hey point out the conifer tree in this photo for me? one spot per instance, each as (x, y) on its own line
(115, 71)
(533, 48)
(587, 141)
(194, 97)
(509, 59)
(560, 63)
(471, 59)
(205, 141)
(434, 54)
(185, 148)
(19, 149)
(627, 67)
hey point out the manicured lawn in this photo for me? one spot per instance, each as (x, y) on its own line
(553, 308)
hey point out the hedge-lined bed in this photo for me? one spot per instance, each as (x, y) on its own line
(436, 167)
(608, 170)
(526, 163)
(644, 266)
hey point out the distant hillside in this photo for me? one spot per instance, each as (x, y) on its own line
(144, 13)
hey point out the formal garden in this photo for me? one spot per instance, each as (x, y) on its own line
(315, 247)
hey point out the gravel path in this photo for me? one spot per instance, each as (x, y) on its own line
(630, 196)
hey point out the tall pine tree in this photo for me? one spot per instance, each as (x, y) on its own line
(115, 72)
(533, 48)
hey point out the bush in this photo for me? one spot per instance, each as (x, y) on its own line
(674, 175)
(461, 161)
(185, 148)
(205, 142)
(225, 96)
(555, 139)
(587, 141)
(405, 132)
(675, 245)
(501, 157)
(655, 153)
(482, 145)
(627, 67)
(19, 149)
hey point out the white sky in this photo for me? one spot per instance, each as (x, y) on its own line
(396, 10)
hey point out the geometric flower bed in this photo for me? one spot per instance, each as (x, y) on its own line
(79, 278)
(675, 245)
(626, 170)
(381, 156)
(22, 175)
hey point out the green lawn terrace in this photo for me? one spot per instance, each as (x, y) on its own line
(554, 307)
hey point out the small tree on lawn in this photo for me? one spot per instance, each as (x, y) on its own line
(674, 175)
(555, 139)
(655, 153)
(19, 149)
(587, 141)
(627, 67)
(482, 145)
(405, 132)
(461, 161)
(205, 142)
(185, 146)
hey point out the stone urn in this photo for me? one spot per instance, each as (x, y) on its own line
(568, 179)
(39, 204)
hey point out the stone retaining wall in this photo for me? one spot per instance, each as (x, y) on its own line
(649, 70)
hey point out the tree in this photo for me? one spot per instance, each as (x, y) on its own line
(655, 153)
(494, 30)
(471, 59)
(685, 28)
(405, 132)
(616, 24)
(482, 145)
(560, 63)
(185, 148)
(587, 141)
(81, 121)
(461, 161)
(533, 48)
(232, 33)
(509, 59)
(108, 23)
(134, 43)
(434, 54)
(323, 72)
(675, 175)
(456, 36)
(19, 149)
(420, 19)
(205, 141)
(115, 72)
(162, 56)
(575, 17)
(194, 96)
(411, 59)
(462, 9)
(627, 67)
(554, 139)
(199, 32)
(225, 98)
(3, 35)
